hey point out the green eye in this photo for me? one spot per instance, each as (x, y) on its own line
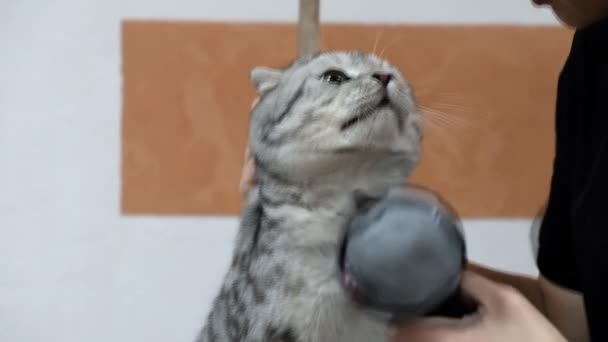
(334, 77)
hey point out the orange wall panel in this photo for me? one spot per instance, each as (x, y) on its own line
(488, 93)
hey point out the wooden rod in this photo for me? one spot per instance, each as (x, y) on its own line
(309, 35)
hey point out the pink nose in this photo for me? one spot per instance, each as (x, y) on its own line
(383, 78)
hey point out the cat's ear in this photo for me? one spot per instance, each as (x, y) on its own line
(264, 79)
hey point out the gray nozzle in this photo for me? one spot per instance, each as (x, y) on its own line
(403, 254)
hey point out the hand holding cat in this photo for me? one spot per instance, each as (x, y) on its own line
(504, 315)
(248, 173)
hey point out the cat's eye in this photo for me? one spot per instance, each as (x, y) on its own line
(334, 77)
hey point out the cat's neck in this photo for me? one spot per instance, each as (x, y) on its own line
(314, 181)
(330, 191)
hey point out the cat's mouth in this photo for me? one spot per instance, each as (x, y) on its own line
(366, 113)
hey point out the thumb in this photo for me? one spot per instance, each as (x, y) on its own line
(255, 101)
(247, 155)
(247, 176)
(486, 292)
(429, 330)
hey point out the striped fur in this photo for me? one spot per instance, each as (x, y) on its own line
(282, 284)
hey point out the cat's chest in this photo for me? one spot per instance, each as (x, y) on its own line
(310, 239)
(314, 301)
(305, 227)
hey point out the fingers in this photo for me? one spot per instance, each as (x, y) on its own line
(248, 175)
(492, 297)
(247, 155)
(496, 306)
(478, 287)
(429, 330)
(255, 101)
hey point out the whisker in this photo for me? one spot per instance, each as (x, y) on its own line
(443, 115)
(446, 137)
(393, 42)
(439, 130)
(450, 113)
(439, 112)
(447, 96)
(447, 124)
(446, 121)
(450, 106)
(465, 116)
(434, 123)
(453, 121)
(378, 35)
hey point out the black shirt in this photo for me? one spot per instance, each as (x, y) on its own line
(573, 249)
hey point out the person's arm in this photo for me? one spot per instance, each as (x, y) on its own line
(556, 291)
(564, 308)
(504, 315)
(528, 286)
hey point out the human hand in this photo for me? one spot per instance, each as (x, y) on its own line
(248, 172)
(503, 315)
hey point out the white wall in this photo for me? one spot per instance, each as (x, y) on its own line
(71, 268)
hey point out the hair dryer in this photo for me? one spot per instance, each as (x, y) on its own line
(403, 255)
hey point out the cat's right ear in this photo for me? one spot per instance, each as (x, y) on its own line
(264, 79)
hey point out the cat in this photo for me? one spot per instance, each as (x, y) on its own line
(325, 127)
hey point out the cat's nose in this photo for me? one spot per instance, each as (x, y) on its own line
(383, 78)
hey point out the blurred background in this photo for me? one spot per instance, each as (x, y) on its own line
(123, 126)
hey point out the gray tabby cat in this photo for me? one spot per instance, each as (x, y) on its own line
(325, 127)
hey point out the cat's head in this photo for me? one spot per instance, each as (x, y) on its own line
(334, 113)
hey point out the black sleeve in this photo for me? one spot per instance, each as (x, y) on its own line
(556, 259)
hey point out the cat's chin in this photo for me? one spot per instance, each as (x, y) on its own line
(381, 131)
(367, 113)
(343, 179)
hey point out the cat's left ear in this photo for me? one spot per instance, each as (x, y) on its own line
(264, 79)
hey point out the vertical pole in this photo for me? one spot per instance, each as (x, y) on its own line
(308, 28)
